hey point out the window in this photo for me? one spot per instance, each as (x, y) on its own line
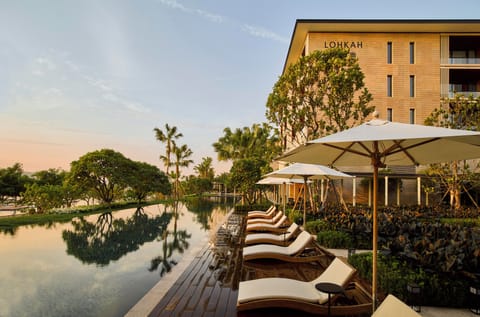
(412, 53)
(412, 116)
(389, 85)
(389, 52)
(389, 114)
(412, 86)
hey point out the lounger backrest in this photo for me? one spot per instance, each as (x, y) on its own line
(280, 222)
(337, 272)
(299, 244)
(291, 230)
(277, 216)
(392, 306)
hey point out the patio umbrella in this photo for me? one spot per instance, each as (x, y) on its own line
(279, 181)
(380, 143)
(305, 171)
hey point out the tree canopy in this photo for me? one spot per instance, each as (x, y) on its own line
(456, 177)
(323, 93)
(259, 141)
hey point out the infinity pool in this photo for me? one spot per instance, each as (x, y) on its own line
(99, 265)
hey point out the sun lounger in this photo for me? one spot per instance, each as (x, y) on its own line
(290, 253)
(272, 238)
(279, 226)
(289, 293)
(392, 306)
(262, 214)
(272, 220)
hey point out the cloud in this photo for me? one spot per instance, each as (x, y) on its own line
(255, 31)
(202, 13)
(264, 33)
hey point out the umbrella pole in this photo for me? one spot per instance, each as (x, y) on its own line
(304, 200)
(376, 162)
(375, 235)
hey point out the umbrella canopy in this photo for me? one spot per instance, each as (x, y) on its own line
(305, 171)
(278, 181)
(388, 143)
(379, 143)
(312, 171)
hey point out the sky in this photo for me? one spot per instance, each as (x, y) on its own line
(78, 76)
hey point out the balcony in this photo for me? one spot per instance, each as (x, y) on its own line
(463, 60)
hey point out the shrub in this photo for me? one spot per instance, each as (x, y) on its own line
(335, 239)
(295, 216)
(316, 226)
(393, 276)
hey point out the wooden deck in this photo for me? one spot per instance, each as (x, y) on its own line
(209, 286)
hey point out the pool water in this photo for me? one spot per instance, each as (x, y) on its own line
(100, 265)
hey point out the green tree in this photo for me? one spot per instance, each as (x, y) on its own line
(51, 176)
(323, 93)
(168, 137)
(43, 197)
(181, 155)
(459, 112)
(12, 181)
(205, 169)
(259, 141)
(147, 179)
(105, 171)
(244, 175)
(197, 185)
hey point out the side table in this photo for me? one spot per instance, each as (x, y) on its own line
(329, 288)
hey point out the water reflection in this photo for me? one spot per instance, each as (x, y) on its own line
(109, 239)
(164, 262)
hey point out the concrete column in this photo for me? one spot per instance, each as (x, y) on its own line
(386, 190)
(419, 190)
(354, 191)
(398, 191)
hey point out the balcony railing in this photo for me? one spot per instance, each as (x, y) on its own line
(461, 60)
(475, 94)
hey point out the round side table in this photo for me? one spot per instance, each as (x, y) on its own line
(329, 288)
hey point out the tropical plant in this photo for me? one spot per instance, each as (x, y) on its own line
(323, 93)
(259, 141)
(205, 169)
(168, 137)
(181, 155)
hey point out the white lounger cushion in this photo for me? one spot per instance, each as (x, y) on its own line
(272, 220)
(253, 237)
(269, 212)
(392, 306)
(338, 272)
(295, 247)
(266, 226)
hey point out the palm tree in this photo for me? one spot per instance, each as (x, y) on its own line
(205, 169)
(168, 138)
(260, 141)
(181, 154)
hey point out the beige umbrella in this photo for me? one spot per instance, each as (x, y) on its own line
(379, 143)
(280, 181)
(306, 171)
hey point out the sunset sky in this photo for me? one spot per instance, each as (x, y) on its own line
(78, 76)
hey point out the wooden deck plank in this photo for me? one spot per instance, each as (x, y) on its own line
(213, 300)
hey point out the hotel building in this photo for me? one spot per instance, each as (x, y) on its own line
(409, 65)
